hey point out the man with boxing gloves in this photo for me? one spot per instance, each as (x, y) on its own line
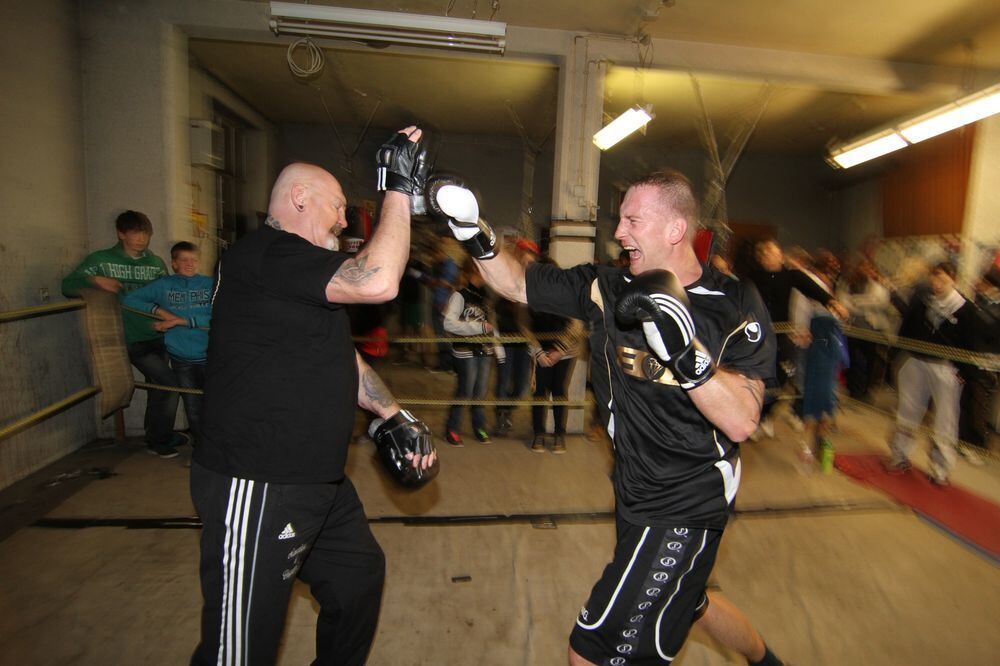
(281, 384)
(680, 357)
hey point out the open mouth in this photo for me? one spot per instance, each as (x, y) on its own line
(633, 253)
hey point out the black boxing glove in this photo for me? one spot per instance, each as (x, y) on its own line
(658, 300)
(402, 166)
(397, 436)
(450, 200)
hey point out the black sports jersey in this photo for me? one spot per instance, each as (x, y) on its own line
(282, 379)
(673, 467)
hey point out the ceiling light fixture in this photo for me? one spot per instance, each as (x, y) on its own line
(387, 28)
(623, 125)
(967, 110)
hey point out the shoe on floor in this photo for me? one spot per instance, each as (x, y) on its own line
(538, 446)
(453, 438)
(971, 456)
(939, 481)
(180, 439)
(559, 444)
(163, 450)
(482, 436)
(896, 466)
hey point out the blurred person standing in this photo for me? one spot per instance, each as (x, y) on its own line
(468, 314)
(514, 366)
(941, 317)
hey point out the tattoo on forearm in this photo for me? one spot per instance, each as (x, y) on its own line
(273, 223)
(375, 389)
(355, 271)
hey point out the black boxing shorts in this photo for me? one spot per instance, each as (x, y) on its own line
(641, 609)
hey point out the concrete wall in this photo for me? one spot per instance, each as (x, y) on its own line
(43, 231)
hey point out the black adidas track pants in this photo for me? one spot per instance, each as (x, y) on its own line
(257, 538)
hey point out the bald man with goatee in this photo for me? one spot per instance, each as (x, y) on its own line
(282, 383)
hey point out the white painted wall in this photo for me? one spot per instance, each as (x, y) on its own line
(43, 232)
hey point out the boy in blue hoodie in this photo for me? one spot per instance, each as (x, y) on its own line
(183, 304)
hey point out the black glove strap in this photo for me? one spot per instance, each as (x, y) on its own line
(483, 245)
(692, 367)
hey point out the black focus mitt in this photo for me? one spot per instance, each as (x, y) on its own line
(397, 436)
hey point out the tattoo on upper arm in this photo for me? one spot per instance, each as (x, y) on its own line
(273, 223)
(355, 270)
(375, 389)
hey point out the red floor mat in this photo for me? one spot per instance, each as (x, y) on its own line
(967, 516)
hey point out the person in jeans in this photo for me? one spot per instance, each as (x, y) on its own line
(558, 341)
(120, 269)
(468, 314)
(182, 303)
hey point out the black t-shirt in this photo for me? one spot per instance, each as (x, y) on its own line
(282, 381)
(673, 467)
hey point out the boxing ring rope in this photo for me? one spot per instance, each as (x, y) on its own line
(45, 413)
(986, 361)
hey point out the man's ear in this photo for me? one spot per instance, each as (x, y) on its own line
(297, 194)
(677, 231)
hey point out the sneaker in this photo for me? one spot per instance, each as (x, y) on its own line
(939, 481)
(163, 450)
(896, 467)
(504, 424)
(453, 438)
(483, 436)
(971, 456)
(179, 439)
(559, 445)
(538, 446)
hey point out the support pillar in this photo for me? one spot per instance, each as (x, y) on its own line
(575, 180)
(980, 230)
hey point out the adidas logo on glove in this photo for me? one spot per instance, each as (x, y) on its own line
(701, 362)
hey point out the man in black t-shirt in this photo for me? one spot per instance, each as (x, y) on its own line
(680, 356)
(281, 384)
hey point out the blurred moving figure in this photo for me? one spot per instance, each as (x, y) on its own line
(940, 316)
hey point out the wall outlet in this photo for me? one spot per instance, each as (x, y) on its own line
(43, 295)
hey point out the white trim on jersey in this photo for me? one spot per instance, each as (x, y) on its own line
(702, 291)
(659, 619)
(621, 582)
(730, 476)
(218, 283)
(729, 337)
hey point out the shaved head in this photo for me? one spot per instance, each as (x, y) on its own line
(308, 201)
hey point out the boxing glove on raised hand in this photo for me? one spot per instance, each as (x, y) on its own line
(402, 166)
(450, 200)
(398, 436)
(657, 300)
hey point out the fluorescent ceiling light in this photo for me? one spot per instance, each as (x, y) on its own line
(967, 110)
(868, 149)
(623, 125)
(385, 28)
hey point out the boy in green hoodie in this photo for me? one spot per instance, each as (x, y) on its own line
(119, 270)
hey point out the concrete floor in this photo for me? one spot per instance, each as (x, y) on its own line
(830, 571)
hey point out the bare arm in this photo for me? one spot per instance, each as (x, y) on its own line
(373, 394)
(731, 402)
(373, 275)
(505, 275)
